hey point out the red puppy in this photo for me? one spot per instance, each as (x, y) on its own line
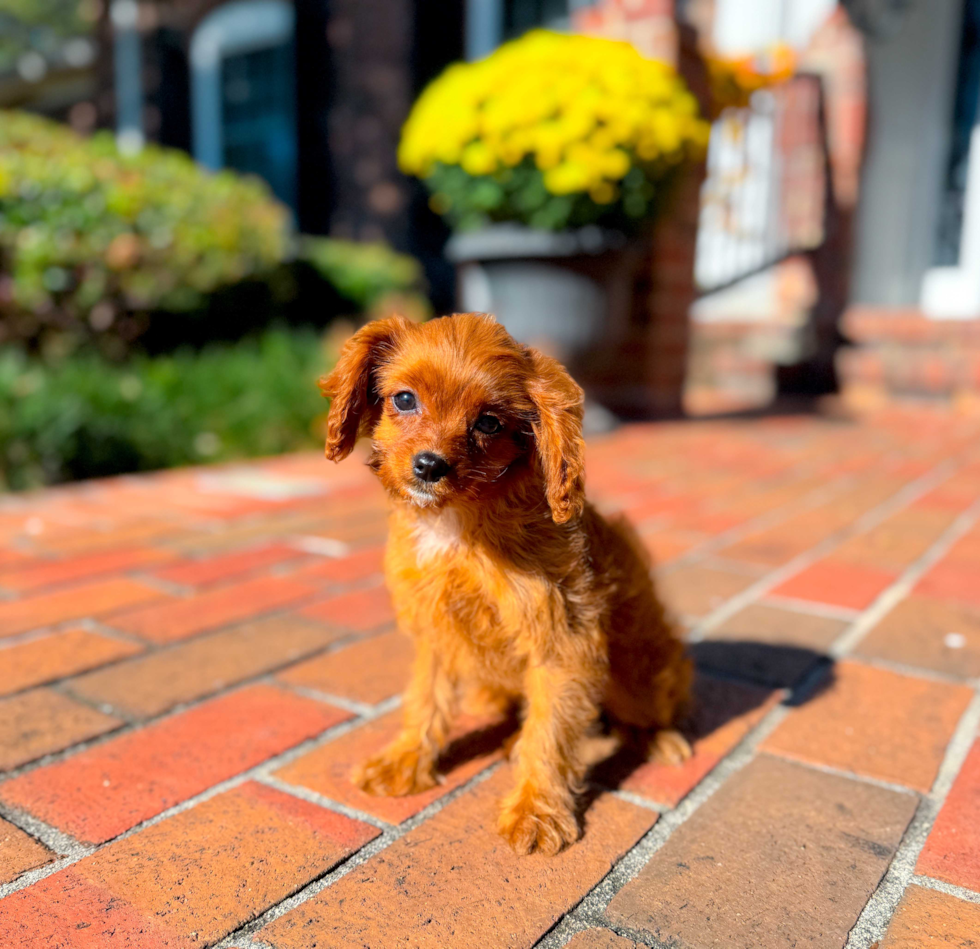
(509, 582)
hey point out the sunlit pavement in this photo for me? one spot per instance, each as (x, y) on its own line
(192, 662)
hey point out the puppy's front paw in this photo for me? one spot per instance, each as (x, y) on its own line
(669, 747)
(532, 824)
(396, 772)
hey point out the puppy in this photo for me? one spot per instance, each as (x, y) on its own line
(510, 583)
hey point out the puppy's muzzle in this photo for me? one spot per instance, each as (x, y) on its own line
(427, 466)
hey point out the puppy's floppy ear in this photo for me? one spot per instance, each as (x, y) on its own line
(354, 404)
(557, 424)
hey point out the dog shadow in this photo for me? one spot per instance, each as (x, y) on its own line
(483, 741)
(734, 680)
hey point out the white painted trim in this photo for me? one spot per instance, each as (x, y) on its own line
(953, 293)
(743, 27)
(484, 27)
(127, 61)
(238, 27)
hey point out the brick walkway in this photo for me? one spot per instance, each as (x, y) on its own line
(191, 662)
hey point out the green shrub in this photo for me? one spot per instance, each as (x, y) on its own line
(105, 248)
(90, 237)
(363, 273)
(82, 417)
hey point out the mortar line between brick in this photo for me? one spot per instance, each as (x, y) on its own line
(951, 889)
(958, 748)
(903, 668)
(312, 797)
(590, 910)
(260, 676)
(22, 818)
(762, 522)
(813, 608)
(740, 567)
(350, 705)
(97, 626)
(891, 596)
(868, 520)
(880, 908)
(104, 624)
(133, 723)
(369, 850)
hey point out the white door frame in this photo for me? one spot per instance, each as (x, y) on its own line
(237, 27)
(953, 293)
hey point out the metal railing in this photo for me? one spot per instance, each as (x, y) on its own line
(764, 196)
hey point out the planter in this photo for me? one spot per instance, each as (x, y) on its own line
(563, 292)
(614, 310)
(570, 294)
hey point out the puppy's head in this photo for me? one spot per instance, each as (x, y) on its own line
(456, 411)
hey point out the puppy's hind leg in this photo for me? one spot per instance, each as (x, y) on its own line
(668, 746)
(408, 764)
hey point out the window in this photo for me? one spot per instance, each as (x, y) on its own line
(243, 92)
(490, 22)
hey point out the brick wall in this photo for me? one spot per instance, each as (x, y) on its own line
(649, 361)
(902, 355)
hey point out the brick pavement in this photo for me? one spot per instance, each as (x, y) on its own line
(192, 661)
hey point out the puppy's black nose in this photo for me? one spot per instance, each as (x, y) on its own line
(428, 466)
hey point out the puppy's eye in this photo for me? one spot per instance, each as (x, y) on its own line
(488, 424)
(404, 401)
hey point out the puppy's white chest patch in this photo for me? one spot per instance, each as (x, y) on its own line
(437, 533)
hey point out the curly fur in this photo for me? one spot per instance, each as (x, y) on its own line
(509, 582)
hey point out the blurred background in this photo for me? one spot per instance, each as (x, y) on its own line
(738, 206)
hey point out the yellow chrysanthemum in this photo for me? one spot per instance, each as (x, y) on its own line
(544, 94)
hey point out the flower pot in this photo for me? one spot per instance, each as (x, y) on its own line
(568, 293)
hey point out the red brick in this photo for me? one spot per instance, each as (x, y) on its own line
(358, 567)
(875, 723)
(898, 541)
(724, 714)
(180, 619)
(42, 722)
(454, 882)
(11, 559)
(154, 890)
(933, 634)
(327, 769)
(952, 850)
(768, 644)
(697, 590)
(664, 547)
(59, 572)
(97, 599)
(79, 540)
(952, 581)
(837, 583)
(64, 911)
(927, 918)
(57, 655)
(770, 548)
(99, 793)
(660, 505)
(202, 573)
(19, 852)
(953, 498)
(966, 550)
(600, 939)
(780, 856)
(368, 671)
(261, 846)
(155, 683)
(360, 611)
